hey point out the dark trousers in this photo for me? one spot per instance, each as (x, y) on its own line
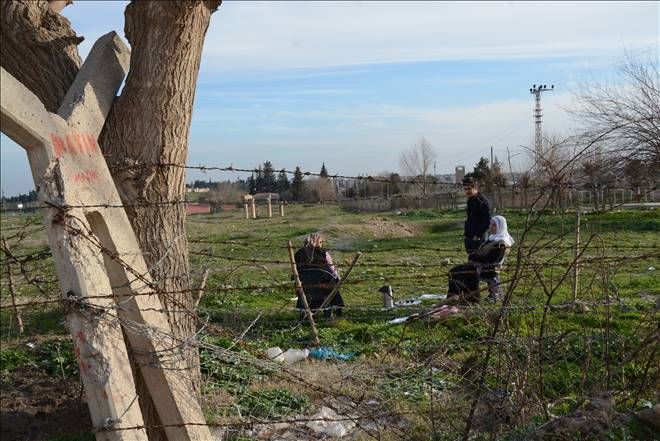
(464, 282)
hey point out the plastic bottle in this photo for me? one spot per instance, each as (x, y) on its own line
(294, 355)
(275, 354)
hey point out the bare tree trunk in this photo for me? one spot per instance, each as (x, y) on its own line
(148, 124)
(39, 49)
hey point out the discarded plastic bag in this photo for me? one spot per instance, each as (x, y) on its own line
(432, 296)
(326, 353)
(328, 422)
(445, 311)
(398, 321)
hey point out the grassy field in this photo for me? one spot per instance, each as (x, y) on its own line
(415, 381)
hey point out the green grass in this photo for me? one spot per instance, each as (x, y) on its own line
(426, 244)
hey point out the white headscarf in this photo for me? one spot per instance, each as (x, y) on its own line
(502, 232)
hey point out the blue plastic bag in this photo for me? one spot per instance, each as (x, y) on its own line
(327, 353)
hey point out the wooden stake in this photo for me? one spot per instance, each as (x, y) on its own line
(270, 207)
(281, 209)
(576, 267)
(12, 292)
(334, 291)
(301, 293)
(254, 209)
(200, 290)
(247, 211)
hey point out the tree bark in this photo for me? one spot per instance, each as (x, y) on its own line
(39, 49)
(148, 125)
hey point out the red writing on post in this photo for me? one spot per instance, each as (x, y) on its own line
(86, 176)
(74, 144)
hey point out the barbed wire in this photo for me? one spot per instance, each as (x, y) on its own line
(550, 186)
(454, 365)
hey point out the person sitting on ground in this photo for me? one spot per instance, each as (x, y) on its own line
(464, 279)
(478, 215)
(319, 275)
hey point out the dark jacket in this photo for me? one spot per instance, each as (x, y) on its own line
(478, 216)
(488, 257)
(307, 258)
(318, 276)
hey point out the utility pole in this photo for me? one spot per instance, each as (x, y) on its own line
(491, 155)
(538, 117)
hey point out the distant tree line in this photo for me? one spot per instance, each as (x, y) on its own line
(31, 196)
(265, 179)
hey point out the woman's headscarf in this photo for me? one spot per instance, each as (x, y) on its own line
(502, 232)
(312, 241)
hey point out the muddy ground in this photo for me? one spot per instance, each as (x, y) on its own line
(37, 407)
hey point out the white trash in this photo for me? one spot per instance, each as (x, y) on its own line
(327, 421)
(397, 321)
(288, 356)
(294, 355)
(275, 354)
(432, 296)
(407, 302)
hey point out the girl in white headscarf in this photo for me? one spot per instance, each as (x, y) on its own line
(483, 263)
(500, 231)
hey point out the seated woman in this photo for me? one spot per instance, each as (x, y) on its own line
(318, 276)
(464, 279)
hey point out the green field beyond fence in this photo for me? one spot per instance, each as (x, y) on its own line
(496, 372)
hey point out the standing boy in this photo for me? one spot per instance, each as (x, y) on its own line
(478, 215)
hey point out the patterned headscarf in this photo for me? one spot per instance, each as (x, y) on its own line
(312, 241)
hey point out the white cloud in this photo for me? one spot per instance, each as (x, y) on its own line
(369, 138)
(251, 35)
(266, 36)
(275, 40)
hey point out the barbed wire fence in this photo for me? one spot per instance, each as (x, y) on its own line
(490, 370)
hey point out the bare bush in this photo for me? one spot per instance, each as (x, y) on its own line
(624, 116)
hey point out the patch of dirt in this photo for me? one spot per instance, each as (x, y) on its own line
(35, 406)
(381, 227)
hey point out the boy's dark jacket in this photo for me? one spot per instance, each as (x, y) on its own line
(478, 216)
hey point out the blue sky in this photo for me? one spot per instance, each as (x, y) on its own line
(353, 84)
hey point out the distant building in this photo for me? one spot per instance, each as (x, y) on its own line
(444, 179)
(196, 189)
(460, 174)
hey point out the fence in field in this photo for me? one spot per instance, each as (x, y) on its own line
(510, 198)
(492, 369)
(495, 369)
